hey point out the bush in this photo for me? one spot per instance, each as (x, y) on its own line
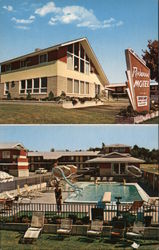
(73, 217)
(85, 220)
(8, 96)
(74, 102)
(51, 96)
(28, 96)
(63, 94)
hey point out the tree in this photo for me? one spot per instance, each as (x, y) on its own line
(151, 58)
(52, 150)
(51, 96)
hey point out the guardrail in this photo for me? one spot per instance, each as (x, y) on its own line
(14, 212)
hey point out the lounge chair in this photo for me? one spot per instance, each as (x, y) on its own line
(92, 178)
(31, 193)
(96, 228)
(136, 206)
(137, 231)
(65, 227)
(37, 224)
(104, 178)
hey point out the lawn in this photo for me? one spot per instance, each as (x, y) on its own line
(49, 114)
(9, 240)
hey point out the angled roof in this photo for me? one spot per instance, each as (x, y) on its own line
(58, 154)
(11, 145)
(86, 45)
(118, 158)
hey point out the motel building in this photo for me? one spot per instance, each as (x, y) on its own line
(116, 161)
(13, 159)
(71, 67)
(48, 159)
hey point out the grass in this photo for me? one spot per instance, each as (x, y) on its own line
(10, 241)
(49, 114)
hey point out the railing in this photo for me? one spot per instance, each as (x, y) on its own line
(7, 186)
(13, 212)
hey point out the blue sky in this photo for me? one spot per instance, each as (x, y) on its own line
(43, 138)
(111, 26)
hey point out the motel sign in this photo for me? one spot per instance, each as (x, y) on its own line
(138, 86)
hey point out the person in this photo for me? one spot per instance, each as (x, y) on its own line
(58, 196)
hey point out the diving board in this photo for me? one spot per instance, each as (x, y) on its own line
(106, 197)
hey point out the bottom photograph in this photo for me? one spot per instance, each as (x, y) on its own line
(91, 187)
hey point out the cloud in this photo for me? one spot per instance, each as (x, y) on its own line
(8, 8)
(78, 15)
(24, 21)
(46, 9)
(22, 27)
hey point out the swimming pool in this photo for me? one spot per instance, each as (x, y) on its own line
(93, 193)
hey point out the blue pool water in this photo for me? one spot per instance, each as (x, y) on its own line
(93, 193)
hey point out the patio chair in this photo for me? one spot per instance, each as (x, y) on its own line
(96, 228)
(137, 231)
(104, 178)
(65, 227)
(136, 206)
(37, 224)
(31, 193)
(92, 178)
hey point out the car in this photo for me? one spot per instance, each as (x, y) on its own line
(41, 171)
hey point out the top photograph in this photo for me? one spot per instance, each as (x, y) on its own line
(79, 62)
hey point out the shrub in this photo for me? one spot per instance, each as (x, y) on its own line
(63, 94)
(28, 96)
(74, 102)
(8, 96)
(85, 220)
(51, 96)
(73, 217)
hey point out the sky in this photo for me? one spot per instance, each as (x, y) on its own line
(43, 138)
(111, 26)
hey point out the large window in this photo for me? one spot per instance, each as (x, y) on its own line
(33, 86)
(8, 67)
(5, 154)
(81, 87)
(6, 88)
(43, 84)
(43, 58)
(76, 86)
(87, 87)
(29, 86)
(69, 85)
(22, 87)
(77, 59)
(36, 85)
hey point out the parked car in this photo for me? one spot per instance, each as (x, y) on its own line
(41, 171)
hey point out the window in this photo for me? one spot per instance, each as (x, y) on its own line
(76, 63)
(81, 87)
(69, 61)
(81, 66)
(81, 52)
(43, 84)
(70, 48)
(76, 86)
(122, 168)
(87, 68)
(69, 85)
(8, 67)
(76, 49)
(36, 85)
(23, 63)
(22, 87)
(6, 154)
(6, 88)
(29, 85)
(87, 87)
(116, 168)
(43, 58)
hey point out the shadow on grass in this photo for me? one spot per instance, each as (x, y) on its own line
(86, 239)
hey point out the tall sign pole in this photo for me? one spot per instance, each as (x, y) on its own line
(138, 87)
